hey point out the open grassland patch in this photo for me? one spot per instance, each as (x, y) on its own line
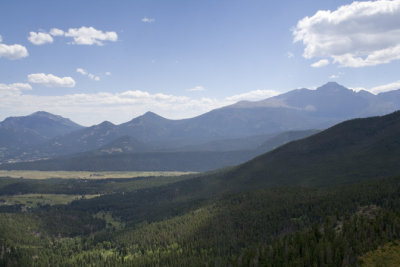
(35, 200)
(84, 174)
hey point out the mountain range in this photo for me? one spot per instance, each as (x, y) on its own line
(351, 152)
(324, 200)
(43, 135)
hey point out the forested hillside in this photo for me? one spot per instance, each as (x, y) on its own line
(271, 211)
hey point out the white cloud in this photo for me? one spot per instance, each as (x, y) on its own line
(90, 75)
(253, 95)
(108, 73)
(196, 89)
(21, 86)
(333, 76)
(12, 52)
(90, 36)
(355, 35)
(13, 89)
(321, 63)
(81, 71)
(56, 32)
(148, 20)
(380, 88)
(385, 87)
(40, 38)
(50, 80)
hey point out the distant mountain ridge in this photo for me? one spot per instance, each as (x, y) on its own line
(45, 124)
(19, 134)
(296, 110)
(332, 100)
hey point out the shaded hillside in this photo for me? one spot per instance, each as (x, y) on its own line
(149, 161)
(284, 138)
(128, 154)
(350, 151)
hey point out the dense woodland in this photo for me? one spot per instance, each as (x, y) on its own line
(328, 200)
(281, 226)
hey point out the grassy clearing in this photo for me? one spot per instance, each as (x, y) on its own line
(84, 174)
(388, 255)
(34, 200)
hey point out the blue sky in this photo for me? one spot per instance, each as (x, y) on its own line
(114, 60)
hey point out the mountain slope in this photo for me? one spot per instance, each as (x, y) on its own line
(128, 154)
(19, 134)
(332, 101)
(350, 151)
(358, 150)
(296, 110)
(297, 205)
(43, 123)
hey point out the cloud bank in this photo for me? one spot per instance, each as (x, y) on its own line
(14, 89)
(89, 109)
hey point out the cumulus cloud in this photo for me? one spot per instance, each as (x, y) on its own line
(148, 20)
(108, 73)
(50, 80)
(90, 75)
(321, 63)
(90, 36)
(253, 95)
(12, 52)
(56, 32)
(40, 38)
(355, 35)
(13, 89)
(196, 89)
